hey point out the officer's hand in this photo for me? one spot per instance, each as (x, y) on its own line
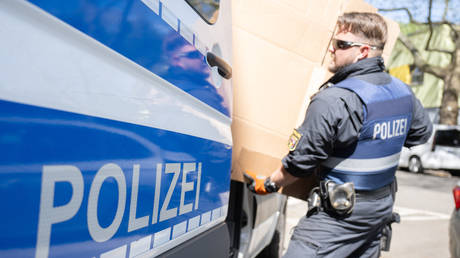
(256, 182)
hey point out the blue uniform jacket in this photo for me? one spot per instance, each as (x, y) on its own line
(371, 163)
(335, 117)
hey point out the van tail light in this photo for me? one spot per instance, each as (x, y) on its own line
(456, 192)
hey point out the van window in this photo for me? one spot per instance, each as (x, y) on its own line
(207, 9)
(449, 138)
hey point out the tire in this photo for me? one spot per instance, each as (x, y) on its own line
(415, 165)
(276, 246)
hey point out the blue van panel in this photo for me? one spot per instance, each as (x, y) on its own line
(136, 32)
(33, 139)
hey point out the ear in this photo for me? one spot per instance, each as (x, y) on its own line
(363, 52)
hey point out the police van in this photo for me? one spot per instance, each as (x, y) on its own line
(115, 133)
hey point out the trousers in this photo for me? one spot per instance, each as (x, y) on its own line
(357, 235)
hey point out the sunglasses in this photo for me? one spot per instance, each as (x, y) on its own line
(342, 44)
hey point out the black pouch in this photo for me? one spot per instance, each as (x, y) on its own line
(332, 197)
(314, 202)
(385, 240)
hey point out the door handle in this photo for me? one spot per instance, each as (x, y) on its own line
(223, 68)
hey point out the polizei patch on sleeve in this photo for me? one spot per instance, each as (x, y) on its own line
(294, 140)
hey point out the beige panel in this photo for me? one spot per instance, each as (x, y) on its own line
(358, 6)
(271, 86)
(280, 58)
(303, 27)
(317, 78)
(271, 20)
(393, 33)
(301, 6)
(323, 12)
(249, 136)
(335, 9)
(314, 44)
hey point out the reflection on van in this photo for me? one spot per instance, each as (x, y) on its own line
(442, 151)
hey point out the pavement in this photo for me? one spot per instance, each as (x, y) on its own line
(424, 202)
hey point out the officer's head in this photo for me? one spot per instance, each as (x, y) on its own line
(358, 36)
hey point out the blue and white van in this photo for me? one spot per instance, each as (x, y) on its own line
(115, 137)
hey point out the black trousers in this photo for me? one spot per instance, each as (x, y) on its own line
(358, 235)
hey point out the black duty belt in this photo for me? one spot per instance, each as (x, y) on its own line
(375, 194)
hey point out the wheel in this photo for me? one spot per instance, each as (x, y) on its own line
(275, 248)
(415, 165)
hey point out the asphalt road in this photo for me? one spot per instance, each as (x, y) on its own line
(424, 202)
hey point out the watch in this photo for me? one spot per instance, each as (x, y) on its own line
(270, 186)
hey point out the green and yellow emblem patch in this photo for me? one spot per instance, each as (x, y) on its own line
(294, 140)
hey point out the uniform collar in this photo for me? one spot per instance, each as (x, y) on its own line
(364, 66)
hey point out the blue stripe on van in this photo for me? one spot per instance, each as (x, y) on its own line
(33, 137)
(136, 32)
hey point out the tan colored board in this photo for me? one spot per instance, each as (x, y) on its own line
(280, 55)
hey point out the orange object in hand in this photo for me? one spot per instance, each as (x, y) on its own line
(257, 182)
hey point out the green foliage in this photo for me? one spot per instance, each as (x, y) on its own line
(430, 92)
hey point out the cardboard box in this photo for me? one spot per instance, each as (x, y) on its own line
(280, 58)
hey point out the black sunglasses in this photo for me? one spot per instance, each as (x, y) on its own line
(342, 44)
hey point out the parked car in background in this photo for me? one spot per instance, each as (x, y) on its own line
(442, 151)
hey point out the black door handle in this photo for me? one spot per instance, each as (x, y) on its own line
(224, 69)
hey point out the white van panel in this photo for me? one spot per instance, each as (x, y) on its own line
(82, 88)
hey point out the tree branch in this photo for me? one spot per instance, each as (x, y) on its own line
(426, 30)
(419, 62)
(446, 7)
(430, 24)
(454, 31)
(441, 51)
(417, 32)
(450, 24)
(411, 18)
(431, 31)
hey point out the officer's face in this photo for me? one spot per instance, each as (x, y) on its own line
(341, 57)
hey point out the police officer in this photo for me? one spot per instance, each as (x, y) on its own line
(352, 135)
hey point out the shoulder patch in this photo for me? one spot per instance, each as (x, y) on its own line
(294, 140)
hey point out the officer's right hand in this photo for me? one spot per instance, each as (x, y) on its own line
(256, 182)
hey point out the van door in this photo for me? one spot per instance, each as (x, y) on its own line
(115, 129)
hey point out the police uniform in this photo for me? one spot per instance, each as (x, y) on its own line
(353, 132)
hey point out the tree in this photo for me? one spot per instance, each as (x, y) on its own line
(449, 74)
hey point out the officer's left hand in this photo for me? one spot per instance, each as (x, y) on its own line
(256, 182)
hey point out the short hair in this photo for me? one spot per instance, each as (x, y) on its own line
(371, 26)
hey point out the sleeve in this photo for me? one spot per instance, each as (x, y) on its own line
(421, 127)
(328, 121)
